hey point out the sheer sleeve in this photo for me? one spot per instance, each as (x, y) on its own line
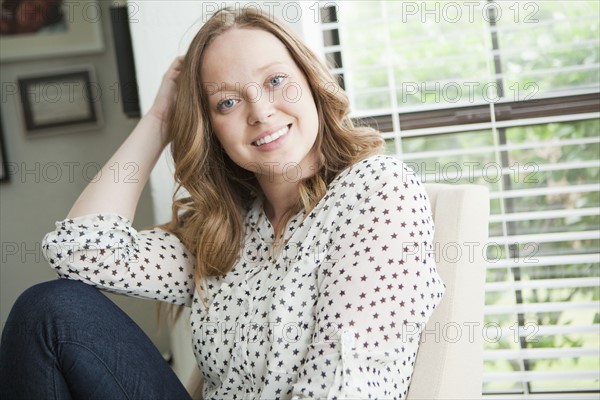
(378, 290)
(105, 251)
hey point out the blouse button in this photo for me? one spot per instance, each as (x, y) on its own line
(247, 305)
(348, 339)
(239, 351)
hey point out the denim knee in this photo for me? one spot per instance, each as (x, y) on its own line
(48, 300)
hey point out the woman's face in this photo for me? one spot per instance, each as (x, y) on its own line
(260, 105)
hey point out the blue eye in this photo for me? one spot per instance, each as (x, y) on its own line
(226, 104)
(277, 80)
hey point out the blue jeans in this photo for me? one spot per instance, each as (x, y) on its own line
(64, 339)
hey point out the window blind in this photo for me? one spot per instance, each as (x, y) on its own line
(507, 95)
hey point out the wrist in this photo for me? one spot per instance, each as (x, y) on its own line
(158, 114)
(157, 124)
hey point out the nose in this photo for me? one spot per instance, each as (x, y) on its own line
(261, 109)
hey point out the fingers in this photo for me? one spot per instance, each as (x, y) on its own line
(175, 68)
(177, 62)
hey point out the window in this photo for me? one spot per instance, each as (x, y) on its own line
(503, 94)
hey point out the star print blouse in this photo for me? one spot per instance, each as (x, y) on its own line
(336, 314)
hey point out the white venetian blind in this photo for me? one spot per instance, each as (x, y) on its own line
(504, 94)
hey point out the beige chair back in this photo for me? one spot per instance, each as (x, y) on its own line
(449, 363)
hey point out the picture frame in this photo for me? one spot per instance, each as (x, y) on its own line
(79, 32)
(4, 175)
(58, 102)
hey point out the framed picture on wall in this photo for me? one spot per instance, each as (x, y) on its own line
(37, 29)
(64, 101)
(3, 160)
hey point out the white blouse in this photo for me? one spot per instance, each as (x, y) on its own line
(337, 314)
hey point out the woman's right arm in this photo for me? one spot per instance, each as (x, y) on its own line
(141, 150)
(97, 244)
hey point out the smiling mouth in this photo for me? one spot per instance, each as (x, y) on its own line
(272, 137)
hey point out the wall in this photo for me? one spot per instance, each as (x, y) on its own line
(30, 203)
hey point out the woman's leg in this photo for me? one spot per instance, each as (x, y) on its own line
(64, 339)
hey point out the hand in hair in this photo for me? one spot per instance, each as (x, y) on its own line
(167, 92)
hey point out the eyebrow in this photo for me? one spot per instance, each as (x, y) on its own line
(261, 69)
(213, 88)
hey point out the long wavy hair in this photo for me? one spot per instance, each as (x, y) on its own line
(209, 218)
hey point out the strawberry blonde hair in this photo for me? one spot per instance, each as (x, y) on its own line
(209, 219)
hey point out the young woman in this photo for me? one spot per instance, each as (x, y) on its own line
(304, 254)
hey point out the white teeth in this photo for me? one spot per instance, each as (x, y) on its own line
(272, 137)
